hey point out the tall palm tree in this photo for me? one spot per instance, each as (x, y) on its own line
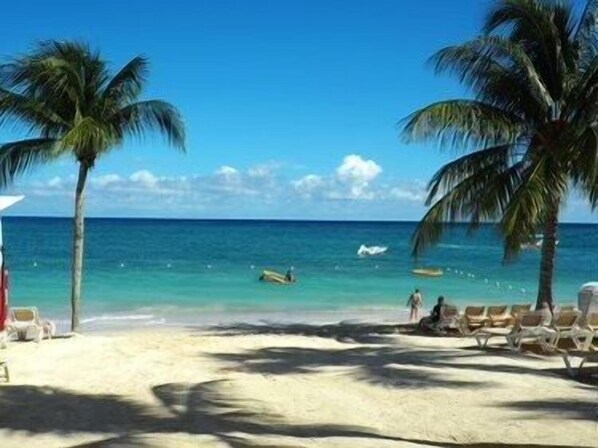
(72, 106)
(529, 133)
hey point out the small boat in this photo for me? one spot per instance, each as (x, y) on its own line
(274, 277)
(365, 251)
(428, 272)
(535, 242)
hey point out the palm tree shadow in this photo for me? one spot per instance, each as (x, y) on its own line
(346, 331)
(194, 409)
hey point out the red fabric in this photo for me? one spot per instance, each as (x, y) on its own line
(3, 298)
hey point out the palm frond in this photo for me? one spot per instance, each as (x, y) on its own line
(463, 124)
(499, 71)
(18, 157)
(128, 83)
(153, 115)
(31, 111)
(586, 35)
(480, 197)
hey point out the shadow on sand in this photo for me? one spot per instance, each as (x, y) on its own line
(195, 409)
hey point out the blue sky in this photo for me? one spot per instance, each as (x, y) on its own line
(291, 106)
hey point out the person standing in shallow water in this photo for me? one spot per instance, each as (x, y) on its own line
(415, 303)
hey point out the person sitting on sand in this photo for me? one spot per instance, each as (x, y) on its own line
(431, 322)
(289, 276)
(415, 302)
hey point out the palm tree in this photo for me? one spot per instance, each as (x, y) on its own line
(72, 106)
(529, 134)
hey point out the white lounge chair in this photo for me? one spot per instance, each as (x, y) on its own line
(450, 320)
(4, 371)
(3, 338)
(532, 326)
(26, 319)
(586, 356)
(566, 325)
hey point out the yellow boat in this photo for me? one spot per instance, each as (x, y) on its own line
(429, 272)
(274, 277)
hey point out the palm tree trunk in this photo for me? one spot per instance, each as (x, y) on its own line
(77, 269)
(548, 258)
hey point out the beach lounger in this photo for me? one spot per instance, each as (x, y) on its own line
(583, 335)
(511, 318)
(567, 308)
(450, 321)
(498, 316)
(565, 324)
(532, 326)
(3, 339)
(25, 320)
(586, 356)
(4, 371)
(485, 334)
(474, 317)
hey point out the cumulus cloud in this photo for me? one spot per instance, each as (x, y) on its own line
(145, 178)
(106, 180)
(229, 189)
(226, 171)
(354, 179)
(308, 185)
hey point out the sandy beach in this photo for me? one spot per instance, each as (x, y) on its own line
(246, 388)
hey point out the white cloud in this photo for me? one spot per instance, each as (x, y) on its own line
(226, 171)
(308, 185)
(107, 179)
(357, 173)
(356, 170)
(229, 191)
(265, 170)
(413, 194)
(144, 178)
(351, 180)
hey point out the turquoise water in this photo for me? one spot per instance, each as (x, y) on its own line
(167, 271)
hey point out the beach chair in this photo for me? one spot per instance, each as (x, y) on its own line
(25, 320)
(532, 326)
(519, 309)
(590, 323)
(4, 371)
(565, 324)
(502, 319)
(586, 356)
(583, 334)
(473, 318)
(450, 321)
(498, 316)
(3, 339)
(567, 308)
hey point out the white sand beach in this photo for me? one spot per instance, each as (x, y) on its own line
(184, 388)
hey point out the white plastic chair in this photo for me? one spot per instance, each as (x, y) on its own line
(26, 319)
(532, 326)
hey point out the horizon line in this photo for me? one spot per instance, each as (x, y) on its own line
(163, 218)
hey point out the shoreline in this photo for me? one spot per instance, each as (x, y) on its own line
(202, 318)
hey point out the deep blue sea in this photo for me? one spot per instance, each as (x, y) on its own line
(185, 271)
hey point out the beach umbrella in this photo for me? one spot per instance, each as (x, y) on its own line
(5, 202)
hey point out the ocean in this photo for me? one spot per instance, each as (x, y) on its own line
(177, 272)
